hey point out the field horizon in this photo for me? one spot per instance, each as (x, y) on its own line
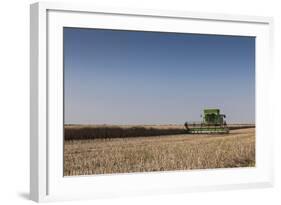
(93, 131)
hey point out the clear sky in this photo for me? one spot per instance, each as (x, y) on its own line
(133, 77)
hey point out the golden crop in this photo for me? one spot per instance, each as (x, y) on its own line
(159, 153)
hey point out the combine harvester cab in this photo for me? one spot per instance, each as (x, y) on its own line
(213, 123)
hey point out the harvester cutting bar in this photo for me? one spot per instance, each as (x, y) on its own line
(208, 130)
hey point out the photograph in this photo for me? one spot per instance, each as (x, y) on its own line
(150, 101)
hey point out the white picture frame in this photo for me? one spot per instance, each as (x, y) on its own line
(46, 157)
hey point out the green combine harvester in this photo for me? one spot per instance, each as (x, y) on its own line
(213, 123)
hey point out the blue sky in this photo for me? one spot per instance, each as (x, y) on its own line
(134, 77)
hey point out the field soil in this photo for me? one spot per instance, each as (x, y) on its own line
(159, 153)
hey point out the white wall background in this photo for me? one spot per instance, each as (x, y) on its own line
(14, 101)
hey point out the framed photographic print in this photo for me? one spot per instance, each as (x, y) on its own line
(127, 102)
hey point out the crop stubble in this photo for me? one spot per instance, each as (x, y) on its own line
(159, 153)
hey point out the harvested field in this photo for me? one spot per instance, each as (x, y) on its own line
(159, 153)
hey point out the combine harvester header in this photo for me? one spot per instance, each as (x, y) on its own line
(213, 123)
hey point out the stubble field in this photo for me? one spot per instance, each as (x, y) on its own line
(103, 155)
